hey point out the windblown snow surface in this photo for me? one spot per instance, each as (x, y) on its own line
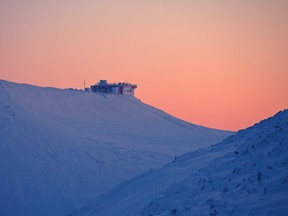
(59, 149)
(246, 174)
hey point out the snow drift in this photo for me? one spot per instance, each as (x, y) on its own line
(61, 148)
(246, 174)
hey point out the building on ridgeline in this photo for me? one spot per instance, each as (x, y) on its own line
(122, 88)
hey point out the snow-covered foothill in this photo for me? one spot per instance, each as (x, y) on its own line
(59, 149)
(246, 174)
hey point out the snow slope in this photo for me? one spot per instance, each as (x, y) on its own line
(246, 174)
(61, 148)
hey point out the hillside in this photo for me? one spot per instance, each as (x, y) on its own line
(246, 174)
(61, 148)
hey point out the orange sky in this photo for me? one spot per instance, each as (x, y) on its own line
(221, 64)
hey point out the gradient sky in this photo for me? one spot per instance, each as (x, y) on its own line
(222, 64)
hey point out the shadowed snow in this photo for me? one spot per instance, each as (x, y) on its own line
(246, 174)
(59, 149)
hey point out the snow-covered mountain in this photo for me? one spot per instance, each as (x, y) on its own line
(246, 174)
(59, 149)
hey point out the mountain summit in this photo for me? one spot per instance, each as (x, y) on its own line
(61, 148)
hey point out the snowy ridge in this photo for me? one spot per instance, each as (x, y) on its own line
(246, 174)
(59, 149)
